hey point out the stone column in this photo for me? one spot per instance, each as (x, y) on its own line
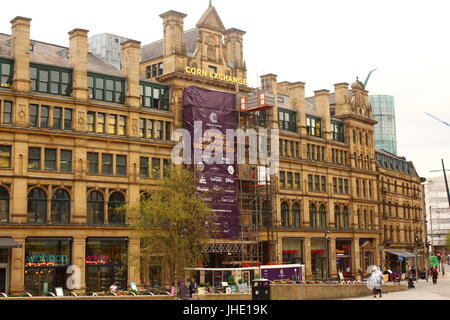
(17, 276)
(307, 258)
(79, 260)
(134, 261)
(356, 265)
(332, 257)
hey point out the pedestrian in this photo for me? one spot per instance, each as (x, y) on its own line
(414, 273)
(443, 271)
(434, 275)
(192, 288)
(410, 279)
(376, 280)
(113, 288)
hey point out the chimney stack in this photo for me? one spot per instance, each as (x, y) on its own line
(130, 59)
(78, 55)
(20, 50)
(322, 102)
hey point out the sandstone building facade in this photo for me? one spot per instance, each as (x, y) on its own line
(79, 138)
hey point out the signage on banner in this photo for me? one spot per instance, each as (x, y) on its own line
(244, 103)
(46, 260)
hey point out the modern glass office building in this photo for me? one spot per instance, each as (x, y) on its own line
(383, 111)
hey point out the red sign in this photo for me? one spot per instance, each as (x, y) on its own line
(244, 103)
(317, 251)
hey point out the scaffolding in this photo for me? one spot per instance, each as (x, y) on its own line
(257, 244)
(257, 187)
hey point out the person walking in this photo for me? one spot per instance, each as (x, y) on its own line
(434, 275)
(376, 281)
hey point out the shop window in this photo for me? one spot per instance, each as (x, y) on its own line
(4, 205)
(37, 206)
(95, 208)
(46, 262)
(60, 207)
(116, 209)
(318, 259)
(106, 263)
(292, 251)
(344, 257)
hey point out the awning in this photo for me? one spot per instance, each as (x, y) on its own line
(402, 254)
(8, 243)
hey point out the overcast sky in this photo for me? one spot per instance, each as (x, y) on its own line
(320, 42)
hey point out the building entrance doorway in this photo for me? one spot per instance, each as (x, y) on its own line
(3, 280)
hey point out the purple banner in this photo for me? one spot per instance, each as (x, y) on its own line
(215, 111)
(274, 273)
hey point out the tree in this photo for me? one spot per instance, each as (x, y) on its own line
(173, 223)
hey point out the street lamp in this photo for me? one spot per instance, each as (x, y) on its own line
(327, 236)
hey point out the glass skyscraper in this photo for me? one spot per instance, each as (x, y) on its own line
(383, 111)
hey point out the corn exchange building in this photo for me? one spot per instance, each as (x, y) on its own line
(80, 138)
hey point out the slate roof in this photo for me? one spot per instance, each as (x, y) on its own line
(54, 55)
(154, 50)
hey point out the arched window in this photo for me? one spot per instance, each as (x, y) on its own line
(266, 214)
(346, 218)
(95, 208)
(296, 215)
(60, 208)
(312, 216)
(37, 206)
(323, 216)
(337, 216)
(284, 214)
(115, 209)
(4, 205)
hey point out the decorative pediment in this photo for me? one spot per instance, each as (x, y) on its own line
(211, 20)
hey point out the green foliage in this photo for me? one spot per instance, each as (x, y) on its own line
(231, 280)
(257, 276)
(173, 223)
(447, 242)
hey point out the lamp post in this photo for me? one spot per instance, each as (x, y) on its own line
(327, 255)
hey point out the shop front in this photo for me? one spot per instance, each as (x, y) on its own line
(106, 263)
(344, 257)
(318, 259)
(46, 263)
(292, 251)
(367, 250)
(400, 261)
(6, 244)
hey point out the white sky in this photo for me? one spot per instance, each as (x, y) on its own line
(320, 42)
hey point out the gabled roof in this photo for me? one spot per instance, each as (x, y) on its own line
(211, 20)
(54, 55)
